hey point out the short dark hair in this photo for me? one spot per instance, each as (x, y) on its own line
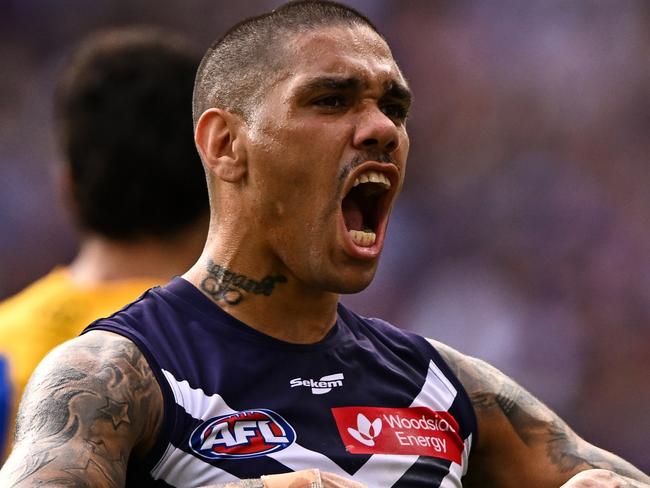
(241, 64)
(123, 113)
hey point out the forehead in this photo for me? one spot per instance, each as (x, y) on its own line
(346, 51)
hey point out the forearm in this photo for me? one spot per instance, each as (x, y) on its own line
(602, 478)
(601, 459)
(634, 483)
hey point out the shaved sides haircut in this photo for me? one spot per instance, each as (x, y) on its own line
(248, 59)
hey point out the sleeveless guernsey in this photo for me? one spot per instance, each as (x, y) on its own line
(369, 402)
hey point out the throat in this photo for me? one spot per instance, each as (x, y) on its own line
(311, 317)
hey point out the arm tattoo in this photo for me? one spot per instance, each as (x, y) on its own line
(224, 285)
(495, 395)
(83, 411)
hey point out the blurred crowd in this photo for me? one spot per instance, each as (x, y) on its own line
(523, 232)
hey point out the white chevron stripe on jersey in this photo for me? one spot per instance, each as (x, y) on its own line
(297, 457)
(184, 470)
(195, 401)
(453, 479)
(383, 469)
(456, 471)
(465, 455)
(202, 407)
(437, 392)
(179, 468)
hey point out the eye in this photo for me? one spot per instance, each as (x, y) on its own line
(395, 111)
(331, 101)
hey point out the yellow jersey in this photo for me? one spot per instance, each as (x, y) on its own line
(48, 312)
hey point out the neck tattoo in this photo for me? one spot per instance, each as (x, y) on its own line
(224, 285)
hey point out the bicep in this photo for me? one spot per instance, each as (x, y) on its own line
(521, 441)
(86, 407)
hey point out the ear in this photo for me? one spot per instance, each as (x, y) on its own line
(219, 139)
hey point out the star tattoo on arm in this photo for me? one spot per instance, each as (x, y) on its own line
(116, 411)
(90, 406)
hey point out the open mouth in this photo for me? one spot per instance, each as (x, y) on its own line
(364, 207)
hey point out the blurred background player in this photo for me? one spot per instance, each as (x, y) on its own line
(134, 183)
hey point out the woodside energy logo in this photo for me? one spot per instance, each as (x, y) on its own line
(413, 430)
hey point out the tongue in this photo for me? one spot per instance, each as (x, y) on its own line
(352, 214)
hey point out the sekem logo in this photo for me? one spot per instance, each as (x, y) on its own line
(322, 386)
(246, 434)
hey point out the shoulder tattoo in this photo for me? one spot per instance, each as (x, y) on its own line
(88, 405)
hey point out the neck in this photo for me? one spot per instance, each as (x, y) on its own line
(103, 260)
(263, 296)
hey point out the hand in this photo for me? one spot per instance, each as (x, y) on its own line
(309, 478)
(330, 480)
(306, 478)
(601, 478)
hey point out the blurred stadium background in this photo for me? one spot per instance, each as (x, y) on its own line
(523, 232)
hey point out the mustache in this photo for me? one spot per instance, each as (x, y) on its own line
(379, 156)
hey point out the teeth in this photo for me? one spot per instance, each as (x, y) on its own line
(363, 238)
(372, 177)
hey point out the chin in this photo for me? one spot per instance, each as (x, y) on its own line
(352, 289)
(347, 285)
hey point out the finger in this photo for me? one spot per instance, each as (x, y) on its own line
(331, 480)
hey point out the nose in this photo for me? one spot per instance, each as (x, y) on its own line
(375, 131)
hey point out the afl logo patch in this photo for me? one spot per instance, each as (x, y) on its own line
(246, 434)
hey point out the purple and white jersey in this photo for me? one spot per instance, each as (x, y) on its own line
(369, 402)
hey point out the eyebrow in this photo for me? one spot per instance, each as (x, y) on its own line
(399, 92)
(392, 89)
(331, 83)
